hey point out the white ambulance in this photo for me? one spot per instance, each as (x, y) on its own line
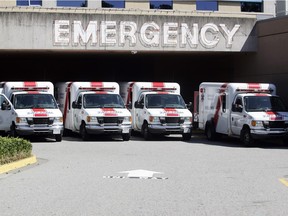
(157, 108)
(30, 110)
(93, 108)
(249, 111)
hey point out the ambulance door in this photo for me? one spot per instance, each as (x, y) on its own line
(222, 124)
(140, 113)
(5, 113)
(236, 115)
(77, 109)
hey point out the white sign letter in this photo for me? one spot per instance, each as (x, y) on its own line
(108, 33)
(209, 31)
(170, 35)
(127, 31)
(186, 34)
(149, 34)
(79, 33)
(229, 35)
(61, 32)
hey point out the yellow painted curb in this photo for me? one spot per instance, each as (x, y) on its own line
(17, 164)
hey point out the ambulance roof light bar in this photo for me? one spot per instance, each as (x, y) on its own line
(30, 88)
(97, 88)
(251, 90)
(159, 89)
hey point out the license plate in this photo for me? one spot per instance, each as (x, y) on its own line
(56, 131)
(125, 130)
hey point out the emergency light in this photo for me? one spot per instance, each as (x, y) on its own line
(97, 88)
(30, 88)
(255, 90)
(159, 89)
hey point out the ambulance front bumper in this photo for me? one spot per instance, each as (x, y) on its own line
(266, 134)
(167, 129)
(111, 129)
(39, 129)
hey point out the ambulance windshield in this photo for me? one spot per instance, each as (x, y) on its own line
(30, 101)
(263, 103)
(164, 101)
(103, 101)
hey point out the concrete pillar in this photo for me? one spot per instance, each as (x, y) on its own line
(269, 7)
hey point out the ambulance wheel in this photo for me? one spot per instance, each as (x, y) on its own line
(13, 132)
(246, 137)
(126, 136)
(210, 131)
(83, 132)
(58, 137)
(186, 136)
(146, 134)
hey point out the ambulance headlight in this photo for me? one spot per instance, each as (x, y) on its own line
(187, 120)
(127, 119)
(21, 120)
(91, 119)
(58, 120)
(256, 123)
(154, 119)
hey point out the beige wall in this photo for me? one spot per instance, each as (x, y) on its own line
(184, 5)
(7, 3)
(233, 7)
(270, 63)
(144, 5)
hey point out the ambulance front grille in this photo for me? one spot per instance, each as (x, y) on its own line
(110, 120)
(42, 121)
(277, 124)
(172, 120)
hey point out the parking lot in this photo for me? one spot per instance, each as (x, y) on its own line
(164, 176)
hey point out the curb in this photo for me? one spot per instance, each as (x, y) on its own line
(17, 164)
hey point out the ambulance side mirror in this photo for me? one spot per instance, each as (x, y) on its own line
(75, 105)
(129, 106)
(138, 105)
(189, 105)
(5, 106)
(237, 108)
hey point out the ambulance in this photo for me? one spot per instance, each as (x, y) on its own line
(249, 111)
(157, 108)
(93, 108)
(29, 108)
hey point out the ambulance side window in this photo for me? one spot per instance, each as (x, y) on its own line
(79, 100)
(223, 100)
(141, 100)
(238, 105)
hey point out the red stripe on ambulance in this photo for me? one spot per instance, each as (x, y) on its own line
(30, 84)
(218, 106)
(39, 112)
(97, 84)
(109, 112)
(274, 116)
(171, 112)
(254, 86)
(158, 84)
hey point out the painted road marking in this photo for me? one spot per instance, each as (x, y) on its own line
(284, 181)
(138, 174)
(122, 177)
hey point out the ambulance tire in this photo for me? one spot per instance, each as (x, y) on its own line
(58, 137)
(186, 136)
(246, 137)
(13, 132)
(145, 132)
(210, 131)
(85, 136)
(126, 136)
